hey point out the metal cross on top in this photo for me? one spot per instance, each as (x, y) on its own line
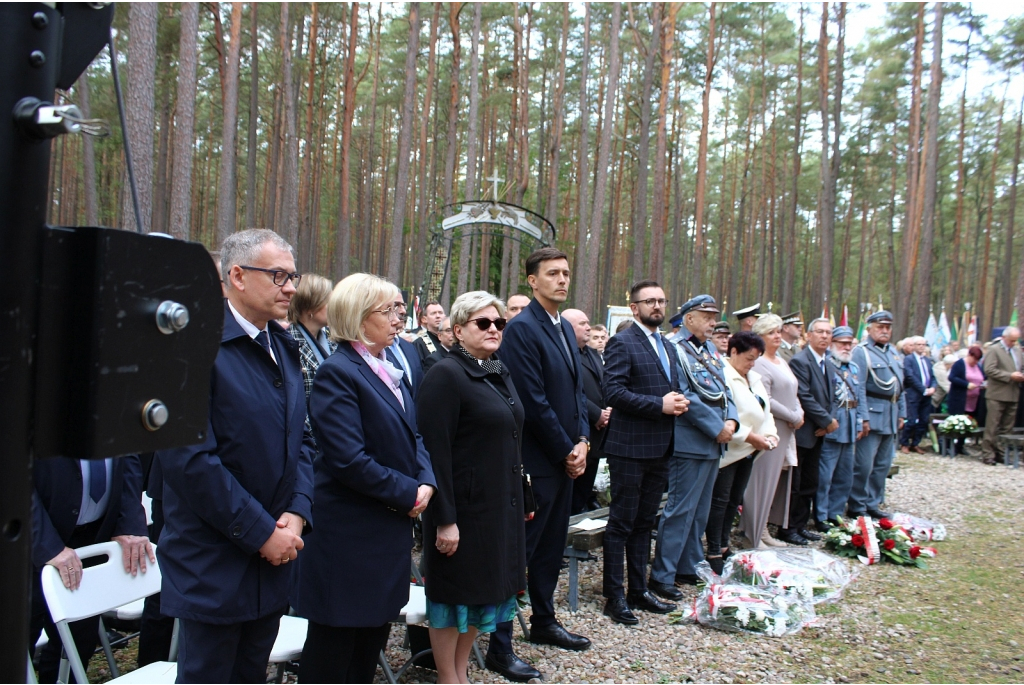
(494, 184)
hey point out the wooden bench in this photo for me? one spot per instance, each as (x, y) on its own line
(1012, 444)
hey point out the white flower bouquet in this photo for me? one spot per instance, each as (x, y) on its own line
(958, 426)
(748, 609)
(810, 573)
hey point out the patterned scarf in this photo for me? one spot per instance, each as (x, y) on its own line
(489, 365)
(384, 369)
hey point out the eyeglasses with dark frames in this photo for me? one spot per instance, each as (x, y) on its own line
(652, 302)
(280, 277)
(484, 324)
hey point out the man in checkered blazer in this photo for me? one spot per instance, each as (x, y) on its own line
(641, 384)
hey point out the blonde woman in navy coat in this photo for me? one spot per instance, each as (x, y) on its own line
(372, 478)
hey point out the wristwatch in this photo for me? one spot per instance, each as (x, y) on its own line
(584, 439)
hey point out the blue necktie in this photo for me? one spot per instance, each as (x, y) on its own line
(97, 479)
(661, 354)
(264, 340)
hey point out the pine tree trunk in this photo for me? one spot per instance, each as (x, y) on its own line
(583, 177)
(88, 158)
(252, 143)
(826, 219)
(451, 155)
(307, 222)
(184, 122)
(139, 106)
(226, 194)
(288, 227)
(394, 265)
(787, 283)
(702, 157)
(160, 198)
(953, 298)
(911, 232)
(466, 247)
(931, 161)
(640, 217)
(343, 243)
(589, 277)
(554, 139)
(666, 29)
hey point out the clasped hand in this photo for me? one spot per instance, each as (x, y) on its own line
(725, 435)
(284, 543)
(576, 462)
(674, 404)
(423, 495)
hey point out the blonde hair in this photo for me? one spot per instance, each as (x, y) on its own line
(351, 302)
(467, 304)
(312, 293)
(766, 323)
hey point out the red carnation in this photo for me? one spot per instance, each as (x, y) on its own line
(890, 544)
(885, 524)
(915, 552)
(857, 540)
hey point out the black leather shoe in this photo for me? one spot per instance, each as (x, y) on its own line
(648, 602)
(791, 537)
(808, 535)
(558, 636)
(664, 590)
(878, 514)
(618, 611)
(684, 579)
(511, 667)
(824, 526)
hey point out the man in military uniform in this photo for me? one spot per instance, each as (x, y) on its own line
(700, 438)
(880, 372)
(835, 468)
(792, 328)
(747, 316)
(720, 337)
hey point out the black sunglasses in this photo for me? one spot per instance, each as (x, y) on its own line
(483, 323)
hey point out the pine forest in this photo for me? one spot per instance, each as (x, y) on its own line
(810, 155)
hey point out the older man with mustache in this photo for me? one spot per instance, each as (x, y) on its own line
(835, 468)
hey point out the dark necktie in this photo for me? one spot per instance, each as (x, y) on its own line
(822, 365)
(264, 340)
(561, 333)
(662, 354)
(97, 479)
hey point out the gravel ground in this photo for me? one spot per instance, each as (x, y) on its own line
(853, 640)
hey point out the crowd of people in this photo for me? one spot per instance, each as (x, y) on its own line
(330, 437)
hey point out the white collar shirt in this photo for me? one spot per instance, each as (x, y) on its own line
(250, 329)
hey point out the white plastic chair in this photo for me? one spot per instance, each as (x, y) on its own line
(291, 637)
(104, 587)
(413, 613)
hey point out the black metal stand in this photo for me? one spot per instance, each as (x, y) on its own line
(30, 55)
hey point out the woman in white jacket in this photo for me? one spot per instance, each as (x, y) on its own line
(756, 434)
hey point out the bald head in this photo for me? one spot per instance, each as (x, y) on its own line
(580, 324)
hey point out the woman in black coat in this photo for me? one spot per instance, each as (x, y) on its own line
(473, 532)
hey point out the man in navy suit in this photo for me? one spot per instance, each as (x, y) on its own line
(237, 503)
(642, 385)
(404, 352)
(545, 367)
(77, 503)
(919, 376)
(598, 411)
(816, 378)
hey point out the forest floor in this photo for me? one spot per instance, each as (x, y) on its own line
(960, 620)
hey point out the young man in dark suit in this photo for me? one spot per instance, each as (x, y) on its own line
(642, 385)
(815, 377)
(598, 411)
(237, 503)
(545, 368)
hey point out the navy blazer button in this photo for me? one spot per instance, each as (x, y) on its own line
(513, 501)
(75, 511)
(277, 383)
(511, 401)
(236, 531)
(515, 434)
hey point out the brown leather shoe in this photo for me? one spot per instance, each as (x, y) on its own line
(919, 450)
(904, 450)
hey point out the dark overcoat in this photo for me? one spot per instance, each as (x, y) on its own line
(473, 434)
(354, 570)
(224, 495)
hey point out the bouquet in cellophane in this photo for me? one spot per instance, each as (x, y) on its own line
(809, 573)
(748, 609)
(922, 530)
(862, 540)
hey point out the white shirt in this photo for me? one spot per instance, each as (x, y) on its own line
(90, 511)
(400, 355)
(651, 336)
(250, 328)
(817, 358)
